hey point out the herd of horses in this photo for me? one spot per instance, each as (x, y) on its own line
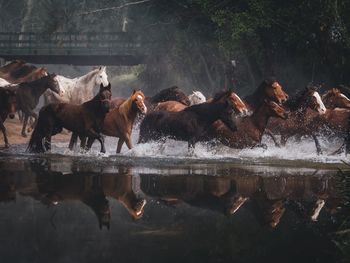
(225, 118)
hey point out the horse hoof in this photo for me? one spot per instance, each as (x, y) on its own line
(7, 145)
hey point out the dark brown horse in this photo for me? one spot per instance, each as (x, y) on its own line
(269, 89)
(28, 94)
(190, 124)
(7, 108)
(173, 93)
(85, 120)
(303, 108)
(250, 129)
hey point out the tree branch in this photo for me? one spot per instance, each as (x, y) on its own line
(114, 7)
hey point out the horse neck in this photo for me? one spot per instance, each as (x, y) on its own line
(210, 112)
(38, 86)
(125, 109)
(88, 80)
(255, 100)
(260, 118)
(94, 104)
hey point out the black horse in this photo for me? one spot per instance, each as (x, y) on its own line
(7, 108)
(187, 125)
(85, 120)
(28, 94)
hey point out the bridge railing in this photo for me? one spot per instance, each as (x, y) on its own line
(91, 43)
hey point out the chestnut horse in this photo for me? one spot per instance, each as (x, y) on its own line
(269, 89)
(303, 108)
(120, 120)
(7, 108)
(250, 129)
(85, 120)
(333, 98)
(191, 123)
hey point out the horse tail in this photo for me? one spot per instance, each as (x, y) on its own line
(35, 144)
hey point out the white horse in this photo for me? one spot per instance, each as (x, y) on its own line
(196, 97)
(78, 90)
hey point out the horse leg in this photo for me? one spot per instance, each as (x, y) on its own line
(35, 117)
(283, 140)
(269, 133)
(82, 142)
(191, 145)
(3, 129)
(120, 144)
(102, 142)
(128, 141)
(90, 141)
(317, 143)
(26, 117)
(47, 143)
(73, 141)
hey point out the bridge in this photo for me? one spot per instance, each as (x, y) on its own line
(117, 48)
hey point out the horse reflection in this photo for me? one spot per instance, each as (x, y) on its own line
(267, 197)
(96, 190)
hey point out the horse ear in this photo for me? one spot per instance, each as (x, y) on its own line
(109, 86)
(133, 92)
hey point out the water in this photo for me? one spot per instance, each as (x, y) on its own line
(155, 203)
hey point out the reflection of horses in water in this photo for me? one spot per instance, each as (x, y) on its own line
(85, 120)
(265, 196)
(190, 124)
(7, 108)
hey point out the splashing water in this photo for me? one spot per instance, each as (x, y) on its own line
(171, 149)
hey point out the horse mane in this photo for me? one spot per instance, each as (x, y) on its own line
(89, 76)
(258, 94)
(330, 92)
(219, 95)
(295, 102)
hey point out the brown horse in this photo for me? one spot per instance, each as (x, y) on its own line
(269, 89)
(28, 94)
(303, 108)
(250, 129)
(18, 72)
(333, 98)
(119, 121)
(190, 124)
(7, 108)
(85, 120)
(170, 105)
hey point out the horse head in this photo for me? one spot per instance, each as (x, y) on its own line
(101, 77)
(10, 101)
(196, 97)
(52, 83)
(138, 101)
(276, 110)
(333, 98)
(105, 94)
(274, 91)
(237, 104)
(312, 99)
